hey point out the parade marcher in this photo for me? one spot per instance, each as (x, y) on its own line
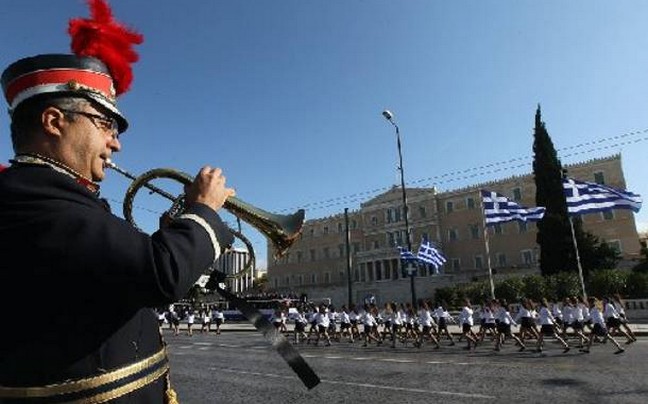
(466, 323)
(427, 323)
(548, 327)
(65, 125)
(525, 317)
(599, 328)
(206, 320)
(443, 319)
(505, 320)
(345, 324)
(613, 320)
(219, 318)
(617, 302)
(300, 326)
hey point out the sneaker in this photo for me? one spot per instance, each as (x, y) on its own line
(585, 350)
(452, 343)
(630, 341)
(620, 350)
(566, 349)
(522, 348)
(364, 345)
(539, 350)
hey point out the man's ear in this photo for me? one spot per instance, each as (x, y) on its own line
(53, 120)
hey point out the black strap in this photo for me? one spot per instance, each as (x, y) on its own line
(279, 342)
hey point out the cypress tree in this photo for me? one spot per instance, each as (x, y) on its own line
(554, 232)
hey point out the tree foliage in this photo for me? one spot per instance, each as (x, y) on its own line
(554, 232)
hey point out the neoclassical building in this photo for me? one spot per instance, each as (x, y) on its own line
(317, 263)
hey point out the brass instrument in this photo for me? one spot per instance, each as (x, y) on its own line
(281, 230)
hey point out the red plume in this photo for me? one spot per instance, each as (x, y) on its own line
(108, 40)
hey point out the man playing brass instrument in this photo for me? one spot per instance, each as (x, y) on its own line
(62, 250)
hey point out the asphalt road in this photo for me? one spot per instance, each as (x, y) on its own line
(242, 367)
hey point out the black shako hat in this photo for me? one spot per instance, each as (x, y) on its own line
(99, 70)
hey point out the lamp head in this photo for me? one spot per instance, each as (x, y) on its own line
(388, 115)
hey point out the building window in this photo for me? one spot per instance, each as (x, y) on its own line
(517, 194)
(327, 252)
(327, 277)
(299, 256)
(599, 178)
(356, 247)
(479, 262)
(341, 252)
(378, 271)
(456, 264)
(470, 203)
(312, 232)
(354, 224)
(425, 235)
(449, 207)
(474, 231)
(312, 255)
(523, 227)
(374, 220)
(497, 229)
(422, 212)
(357, 275)
(527, 257)
(301, 280)
(616, 245)
(452, 235)
(287, 281)
(501, 259)
(608, 214)
(276, 282)
(326, 229)
(376, 244)
(314, 279)
(340, 228)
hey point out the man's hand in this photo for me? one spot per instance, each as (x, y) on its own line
(209, 188)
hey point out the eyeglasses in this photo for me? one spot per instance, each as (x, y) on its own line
(100, 121)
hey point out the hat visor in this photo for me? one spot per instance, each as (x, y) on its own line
(122, 123)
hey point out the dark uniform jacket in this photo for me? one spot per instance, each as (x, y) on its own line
(77, 283)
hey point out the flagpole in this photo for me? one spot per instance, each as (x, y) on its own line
(573, 234)
(578, 261)
(488, 260)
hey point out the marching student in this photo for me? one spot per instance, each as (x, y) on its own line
(427, 322)
(574, 319)
(487, 322)
(505, 320)
(526, 320)
(206, 320)
(219, 318)
(558, 316)
(443, 318)
(322, 320)
(396, 323)
(466, 323)
(345, 324)
(354, 318)
(370, 325)
(386, 319)
(191, 319)
(300, 325)
(620, 308)
(613, 320)
(598, 327)
(548, 327)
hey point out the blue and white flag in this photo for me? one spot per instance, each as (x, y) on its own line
(429, 253)
(500, 209)
(588, 197)
(406, 255)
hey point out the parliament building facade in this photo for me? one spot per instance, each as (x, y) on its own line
(317, 263)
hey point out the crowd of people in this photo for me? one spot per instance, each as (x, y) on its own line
(574, 322)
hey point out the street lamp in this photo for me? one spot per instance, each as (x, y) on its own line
(410, 268)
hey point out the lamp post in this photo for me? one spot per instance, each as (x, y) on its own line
(410, 268)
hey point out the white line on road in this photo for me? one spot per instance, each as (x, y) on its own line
(365, 385)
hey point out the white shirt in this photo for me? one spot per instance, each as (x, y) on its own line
(466, 316)
(546, 318)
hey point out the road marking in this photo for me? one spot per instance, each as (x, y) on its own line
(364, 385)
(397, 360)
(204, 343)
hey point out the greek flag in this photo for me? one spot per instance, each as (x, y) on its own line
(406, 255)
(429, 253)
(500, 209)
(588, 197)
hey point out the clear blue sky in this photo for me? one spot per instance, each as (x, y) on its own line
(286, 96)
